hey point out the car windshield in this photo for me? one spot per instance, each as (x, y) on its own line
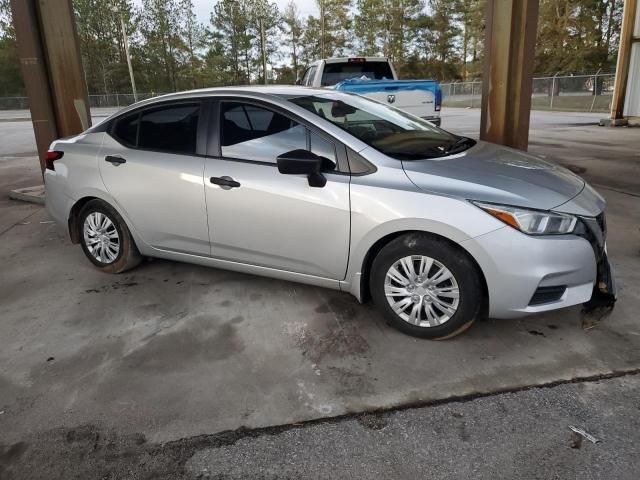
(389, 130)
(336, 72)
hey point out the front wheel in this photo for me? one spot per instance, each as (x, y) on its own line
(426, 287)
(105, 238)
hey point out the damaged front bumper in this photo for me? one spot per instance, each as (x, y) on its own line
(605, 294)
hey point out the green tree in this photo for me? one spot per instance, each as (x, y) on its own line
(472, 19)
(311, 49)
(335, 24)
(443, 35)
(164, 45)
(265, 24)
(399, 21)
(195, 38)
(101, 43)
(231, 23)
(368, 22)
(10, 77)
(577, 35)
(292, 28)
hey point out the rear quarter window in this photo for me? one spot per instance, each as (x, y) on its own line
(166, 128)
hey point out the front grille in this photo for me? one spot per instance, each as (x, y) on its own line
(547, 295)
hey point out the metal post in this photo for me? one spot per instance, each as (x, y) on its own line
(553, 90)
(264, 49)
(473, 91)
(322, 44)
(595, 89)
(511, 30)
(126, 52)
(34, 74)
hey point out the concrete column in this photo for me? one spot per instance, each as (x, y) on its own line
(34, 73)
(66, 75)
(508, 68)
(632, 100)
(623, 78)
(51, 67)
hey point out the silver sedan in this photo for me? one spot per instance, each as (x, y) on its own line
(334, 190)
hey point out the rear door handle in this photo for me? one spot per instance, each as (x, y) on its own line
(225, 182)
(113, 160)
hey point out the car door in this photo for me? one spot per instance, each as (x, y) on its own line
(259, 216)
(150, 165)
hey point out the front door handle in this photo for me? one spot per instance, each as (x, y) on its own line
(225, 182)
(113, 160)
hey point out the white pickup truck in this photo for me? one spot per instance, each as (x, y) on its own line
(376, 78)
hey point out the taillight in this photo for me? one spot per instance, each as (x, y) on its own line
(52, 156)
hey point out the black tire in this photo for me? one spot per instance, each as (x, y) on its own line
(469, 282)
(128, 255)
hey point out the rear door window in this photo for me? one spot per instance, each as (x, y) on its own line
(168, 128)
(172, 128)
(126, 129)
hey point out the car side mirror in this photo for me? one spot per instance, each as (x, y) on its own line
(304, 162)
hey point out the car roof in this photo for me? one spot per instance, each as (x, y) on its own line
(265, 91)
(279, 90)
(261, 90)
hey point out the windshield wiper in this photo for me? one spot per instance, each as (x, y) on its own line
(460, 145)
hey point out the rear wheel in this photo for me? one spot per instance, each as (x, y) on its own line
(426, 287)
(105, 238)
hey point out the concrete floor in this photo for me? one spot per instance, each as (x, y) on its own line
(171, 351)
(459, 440)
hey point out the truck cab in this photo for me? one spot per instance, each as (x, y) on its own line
(376, 78)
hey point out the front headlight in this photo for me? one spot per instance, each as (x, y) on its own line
(531, 222)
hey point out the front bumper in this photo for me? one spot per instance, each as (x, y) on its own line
(518, 266)
(594, 230)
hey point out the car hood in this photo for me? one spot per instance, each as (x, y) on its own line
(496, 174)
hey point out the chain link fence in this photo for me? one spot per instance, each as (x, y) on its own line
(109, 100)
(577, 93)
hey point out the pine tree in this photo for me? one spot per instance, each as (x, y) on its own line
(292, 28)
(10, 77)
(336, 37)
(265, 21)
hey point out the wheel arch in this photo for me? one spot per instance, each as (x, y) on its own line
(74, 213)
(378, 245)
(76, 208)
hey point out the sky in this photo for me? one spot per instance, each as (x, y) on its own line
(203, 8)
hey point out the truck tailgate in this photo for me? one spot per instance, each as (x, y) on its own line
(421, 98)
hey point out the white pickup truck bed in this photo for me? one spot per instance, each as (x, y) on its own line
(375, 77)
